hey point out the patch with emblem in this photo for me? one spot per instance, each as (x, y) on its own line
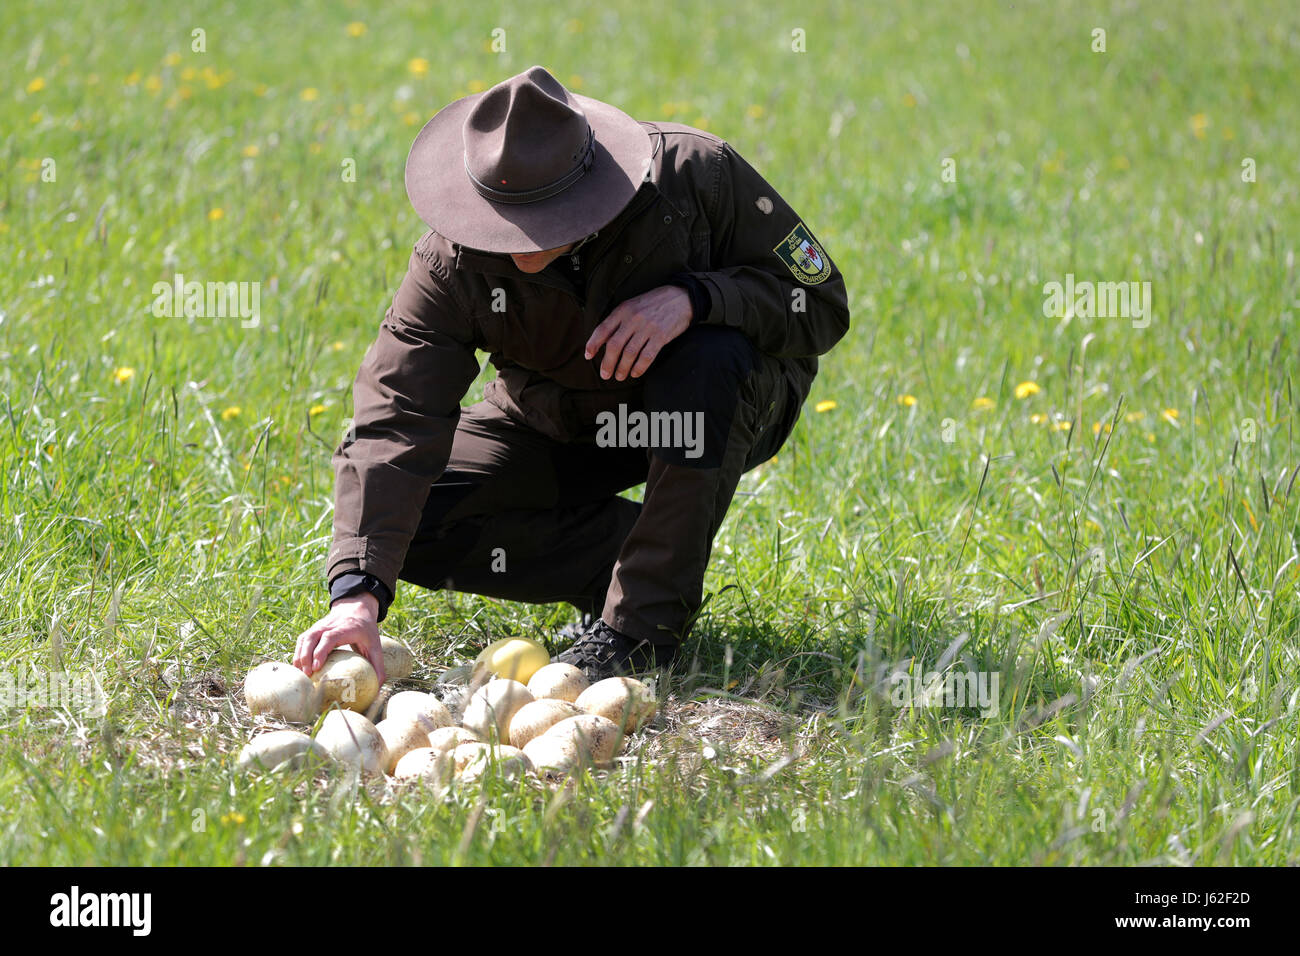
(803, 256)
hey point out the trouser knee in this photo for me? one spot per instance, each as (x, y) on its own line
(693, 387)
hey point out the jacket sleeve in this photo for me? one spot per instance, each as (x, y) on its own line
(406, 401)
(770, 277)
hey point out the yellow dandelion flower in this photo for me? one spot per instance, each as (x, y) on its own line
(477, 86)
(123, 374)
(185, 92)
(132, 78)
(575, 81)
(154, 83)
(1064, 426)
(825, 405)
(1134, 416)
(1200, 123)
(1038, 418)
(909, 100)
(309, 94)
(755, 111)
(410, 118)
(171, 59)
(418, 66)
(1171, 416)
(260, 89)
(907, 401)
(314, 148)
(216, 213)
(337, 346)
(233, 818)
(36, 85)
(1151, 436)
(250, 150)
(1099, 427)
(189, 73)
(315, 410)
(234, 411)
(356, 29)
(982, 403)
(1025, 389)
(701, 122)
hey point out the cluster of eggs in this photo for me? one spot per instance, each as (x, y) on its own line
(525, 716)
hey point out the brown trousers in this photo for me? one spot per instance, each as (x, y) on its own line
(520, 516)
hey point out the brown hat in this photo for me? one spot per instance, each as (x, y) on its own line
(525, 166)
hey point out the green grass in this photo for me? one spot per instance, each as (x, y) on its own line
(1132, 579)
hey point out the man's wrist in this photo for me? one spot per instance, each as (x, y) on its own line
(362, 599)
(359, 582)
(699, 296)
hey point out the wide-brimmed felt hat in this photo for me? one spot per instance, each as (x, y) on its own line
(525, 166)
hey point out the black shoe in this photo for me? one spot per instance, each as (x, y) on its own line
(604, 652)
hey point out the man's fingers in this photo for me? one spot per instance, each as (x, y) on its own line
(302, 652)
(603, 332)
(631, 351)
(373, 651)
(326, 644)
(614, 349)
(648, 354)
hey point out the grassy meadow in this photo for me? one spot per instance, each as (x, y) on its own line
(1103, 513)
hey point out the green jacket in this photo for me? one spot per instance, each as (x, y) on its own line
(702, 210)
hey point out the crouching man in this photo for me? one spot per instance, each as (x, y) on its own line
(654, 310)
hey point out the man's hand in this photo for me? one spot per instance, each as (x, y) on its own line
(637, 329)
(351, 621)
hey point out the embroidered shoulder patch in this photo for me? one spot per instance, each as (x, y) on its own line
(803, 256)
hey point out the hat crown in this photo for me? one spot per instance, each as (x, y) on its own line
(525, 134)
(570, 164)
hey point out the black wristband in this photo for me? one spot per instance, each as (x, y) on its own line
(700, 301)
(354, 582)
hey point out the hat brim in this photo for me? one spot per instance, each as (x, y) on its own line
(440, 190)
